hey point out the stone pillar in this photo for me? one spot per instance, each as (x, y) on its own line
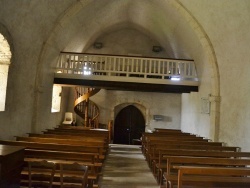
(214, 117)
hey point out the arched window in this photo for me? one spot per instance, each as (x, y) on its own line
(5, 56)
(56, 98)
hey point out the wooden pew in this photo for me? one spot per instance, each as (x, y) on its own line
(67, 139)
(151, 141)
(164, 140)
(73, 156)
(66, 145)
(145, 134)
(62, 141)
(92, 176)
(213, 176)
(67, 148)
(106, 128)
(171, 175)
(80, 127)
(11, 164)
(72, 137)
(152, 147)
(58, 157)
(163, 135)
(75, 134)
(159, 138)
(183, 141)
(73, 127)
(167, 130)
(154, 155)
(160, 135)
(163, 156)
(91, 131)
(89, 159)
(167, 134)
(78, 132)
(173, 137)
(85, 137)
(58, 147)
(103, 148)
(157, 130)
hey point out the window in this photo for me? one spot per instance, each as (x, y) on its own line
(5, 56)
(56, 98)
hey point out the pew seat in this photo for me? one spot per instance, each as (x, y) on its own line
(171, 173)
(212, 176)
(93, 173)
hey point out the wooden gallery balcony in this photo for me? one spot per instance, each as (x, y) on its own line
(126, 73)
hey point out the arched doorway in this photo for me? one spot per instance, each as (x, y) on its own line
(129, 125)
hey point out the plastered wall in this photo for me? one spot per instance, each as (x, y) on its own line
(167, 105)
(19, 22)
(149, 103)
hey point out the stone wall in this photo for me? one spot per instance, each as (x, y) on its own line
(227, 24)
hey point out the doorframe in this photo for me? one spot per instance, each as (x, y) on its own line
(140, 107)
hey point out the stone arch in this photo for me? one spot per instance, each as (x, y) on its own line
(181, 10)
(116, 109)
(204, 40)
(144, 108)
(210, 53)
(48, 48)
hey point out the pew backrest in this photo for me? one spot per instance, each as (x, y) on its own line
(214, 174)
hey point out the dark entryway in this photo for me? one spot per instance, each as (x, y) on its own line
(129, 125)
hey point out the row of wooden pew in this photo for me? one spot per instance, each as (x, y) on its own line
(65, 145)
(180, 159)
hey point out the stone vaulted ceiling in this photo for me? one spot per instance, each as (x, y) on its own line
(156, 19)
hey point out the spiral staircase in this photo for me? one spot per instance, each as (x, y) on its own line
(85, 108)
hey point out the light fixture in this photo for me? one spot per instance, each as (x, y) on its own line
(86, 69)
(157, 49)
(175, 78)
(97, 45)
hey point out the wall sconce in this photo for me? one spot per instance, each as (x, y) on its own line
(157, 49)
(97, 45)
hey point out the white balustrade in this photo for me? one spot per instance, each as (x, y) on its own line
(126, 67)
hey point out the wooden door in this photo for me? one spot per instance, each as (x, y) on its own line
(129, 125)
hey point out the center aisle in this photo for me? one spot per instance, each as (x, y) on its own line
(125, 166)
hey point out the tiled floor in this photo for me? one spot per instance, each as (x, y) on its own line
(125, 167)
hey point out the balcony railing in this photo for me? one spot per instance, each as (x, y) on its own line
(126, 68)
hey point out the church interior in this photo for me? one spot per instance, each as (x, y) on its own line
(124, 71)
